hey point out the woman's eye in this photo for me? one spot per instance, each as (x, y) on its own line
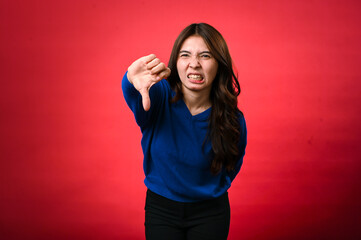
(205, 56)
(184, 55)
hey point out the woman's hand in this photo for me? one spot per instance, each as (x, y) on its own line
(144, 73)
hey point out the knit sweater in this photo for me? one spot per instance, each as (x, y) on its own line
(176, 156)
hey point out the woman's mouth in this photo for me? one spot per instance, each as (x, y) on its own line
(195, 78)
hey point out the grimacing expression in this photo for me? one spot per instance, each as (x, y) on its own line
(196, 66)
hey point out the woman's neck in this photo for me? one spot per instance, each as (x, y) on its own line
(196, 102)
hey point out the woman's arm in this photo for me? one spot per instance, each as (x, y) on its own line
(242, 147)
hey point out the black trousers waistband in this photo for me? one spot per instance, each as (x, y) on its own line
(168, 201)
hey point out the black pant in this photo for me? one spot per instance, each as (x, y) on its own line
(166, 219)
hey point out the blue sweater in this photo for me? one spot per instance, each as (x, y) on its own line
(176, 163)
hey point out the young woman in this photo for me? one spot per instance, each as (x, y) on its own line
(194, 135)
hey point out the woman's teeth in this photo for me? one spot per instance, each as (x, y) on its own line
(195, 77)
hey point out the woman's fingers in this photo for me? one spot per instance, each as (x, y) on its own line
(148, 58)
(163, 74)
(158, 68)
(153, 63)
(167, 73)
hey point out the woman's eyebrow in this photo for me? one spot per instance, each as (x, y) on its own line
(205, 52)
(184, 51)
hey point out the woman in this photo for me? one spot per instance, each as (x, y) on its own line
(194, 136)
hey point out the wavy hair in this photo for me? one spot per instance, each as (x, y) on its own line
(224, 128)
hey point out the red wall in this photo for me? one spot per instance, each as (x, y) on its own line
(71, 161)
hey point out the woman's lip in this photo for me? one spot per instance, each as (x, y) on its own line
(196, 78)
(196, 81)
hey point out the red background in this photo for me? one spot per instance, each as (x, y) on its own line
(71, 161)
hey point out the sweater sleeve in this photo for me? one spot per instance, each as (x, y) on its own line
(242, 148)
(134, 101)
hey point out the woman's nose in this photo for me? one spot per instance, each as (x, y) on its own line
(194, 62)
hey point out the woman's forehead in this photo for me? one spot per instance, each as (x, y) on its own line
(194, 43)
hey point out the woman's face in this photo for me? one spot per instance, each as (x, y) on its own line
(196, 66)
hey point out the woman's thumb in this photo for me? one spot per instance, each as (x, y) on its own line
(145, 99)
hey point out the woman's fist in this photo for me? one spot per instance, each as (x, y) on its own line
(144, 73)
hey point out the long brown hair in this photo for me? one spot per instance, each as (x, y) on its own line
(224, 127)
